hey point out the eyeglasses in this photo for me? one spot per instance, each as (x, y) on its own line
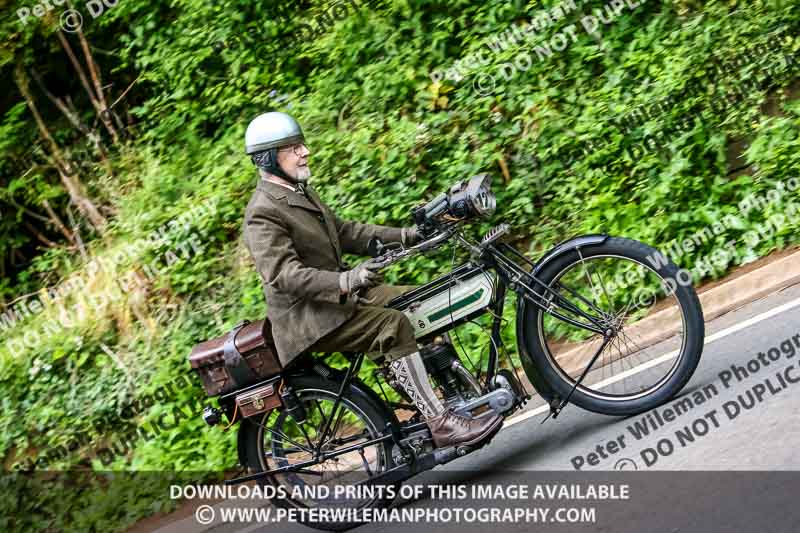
(297, 149)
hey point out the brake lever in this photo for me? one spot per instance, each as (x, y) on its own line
(395, 254)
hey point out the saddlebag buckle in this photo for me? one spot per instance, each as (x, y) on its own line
(259, 400)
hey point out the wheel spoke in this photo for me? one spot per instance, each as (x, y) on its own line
(349, 427)
(577, 295)
(591, 284)
(335, 427)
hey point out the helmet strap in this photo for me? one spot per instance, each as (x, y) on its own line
(271, 165)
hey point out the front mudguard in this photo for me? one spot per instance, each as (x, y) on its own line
(528, 335)
(567, 246)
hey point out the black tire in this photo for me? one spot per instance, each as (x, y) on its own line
(253, 440)
(598, 401)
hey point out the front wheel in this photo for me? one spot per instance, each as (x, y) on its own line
(635, 291)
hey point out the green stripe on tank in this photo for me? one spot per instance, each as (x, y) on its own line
(472, 298)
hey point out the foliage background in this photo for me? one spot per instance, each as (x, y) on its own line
(383, 137)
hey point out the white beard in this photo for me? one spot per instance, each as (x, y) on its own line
(302, 175)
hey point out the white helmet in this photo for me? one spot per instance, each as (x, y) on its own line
(271, 130)
(265, 134)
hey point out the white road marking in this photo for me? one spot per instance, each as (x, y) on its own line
(666, 357)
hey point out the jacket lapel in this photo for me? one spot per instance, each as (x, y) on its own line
(292, 198)
(312, 203)
(329, 223)
(297, 200)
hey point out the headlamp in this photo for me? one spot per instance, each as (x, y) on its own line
(473, 198)
(466, 199)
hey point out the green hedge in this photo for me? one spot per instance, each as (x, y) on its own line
(384, 136)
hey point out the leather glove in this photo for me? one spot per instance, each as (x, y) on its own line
(363, 276)
(410, 236)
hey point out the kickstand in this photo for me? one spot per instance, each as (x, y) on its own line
(555, 408)
(555, 405)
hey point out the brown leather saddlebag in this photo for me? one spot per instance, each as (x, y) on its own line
(243, 356)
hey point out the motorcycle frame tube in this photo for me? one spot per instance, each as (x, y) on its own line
(513, 274)
(352, 370)
(496, 341)
(491, 261)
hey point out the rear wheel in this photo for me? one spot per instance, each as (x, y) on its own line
(291, 442)
(650, 304)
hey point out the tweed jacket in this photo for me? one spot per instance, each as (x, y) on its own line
(297, 245)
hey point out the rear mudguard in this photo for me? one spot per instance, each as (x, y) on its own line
(524, 307)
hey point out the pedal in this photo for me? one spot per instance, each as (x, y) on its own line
(498, 401)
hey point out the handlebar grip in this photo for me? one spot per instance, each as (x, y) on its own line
(436, 210)
(436, 204)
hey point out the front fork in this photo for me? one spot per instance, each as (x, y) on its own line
(510, 273)
(506, 390)
(496, 340)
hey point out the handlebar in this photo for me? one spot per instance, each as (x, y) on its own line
(388, 255)
(436, 220)
(391, 255)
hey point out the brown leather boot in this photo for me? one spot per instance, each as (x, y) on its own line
(450, 429)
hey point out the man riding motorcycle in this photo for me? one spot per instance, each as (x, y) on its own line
(316, 303)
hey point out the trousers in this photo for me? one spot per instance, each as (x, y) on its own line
(381, 333)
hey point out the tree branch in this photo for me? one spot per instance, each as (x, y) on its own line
(56, 220)
(94, 72)
(65, 169)
(101, 111)
(71, 113)
(26, 210)
(38, 234)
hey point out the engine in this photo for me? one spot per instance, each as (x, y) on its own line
(442, 363)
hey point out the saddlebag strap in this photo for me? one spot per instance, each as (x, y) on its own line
(234, 361)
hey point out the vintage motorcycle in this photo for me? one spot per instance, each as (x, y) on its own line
(606, 323)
